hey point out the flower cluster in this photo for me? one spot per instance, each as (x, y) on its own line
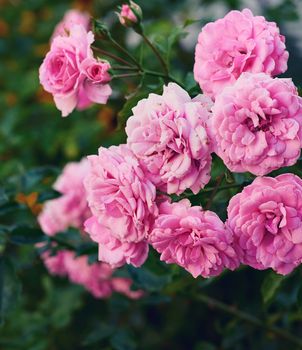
(168, 149)
(70, 72)
(71, 209)
(96, 278)
(247, 116)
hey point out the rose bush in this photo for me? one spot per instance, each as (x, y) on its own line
(176, 189)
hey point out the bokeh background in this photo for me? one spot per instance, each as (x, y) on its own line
(40, 312)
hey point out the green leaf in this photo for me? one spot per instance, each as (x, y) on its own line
(122, 340)
(47, 195)
(32, 177)
(26, 235)
(270, 286)
(101, 332)
(10, 287)
(11, 207)
(148, 280)
(205, 346)
(191, 21)
(3, 196)
(126, 111)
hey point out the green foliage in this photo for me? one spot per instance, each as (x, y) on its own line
(270, 286)
(39, 312)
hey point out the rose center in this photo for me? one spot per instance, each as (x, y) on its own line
(275, 219)
(258, 123)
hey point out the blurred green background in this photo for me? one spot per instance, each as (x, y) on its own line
(40, 312)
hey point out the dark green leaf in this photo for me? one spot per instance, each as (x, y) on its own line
(101, 332)
(122, 341)
(3, 196)
(147, 280)
(270, 286)
(10, 287)
(26, 235)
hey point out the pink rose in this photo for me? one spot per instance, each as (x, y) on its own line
(257, 124)
(71, 74)
(113, 251)
(59, 214)
(95, 84)
(123, 286)
(194, 239)
(71, 209)
(126, 15)
(266, 219)
(55, 264)
(168, 135)
(130, 14)
(239, 42)
(71, 18)
(119, 194)
(96, 278)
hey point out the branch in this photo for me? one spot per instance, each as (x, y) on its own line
(244, 316)
(157, 53)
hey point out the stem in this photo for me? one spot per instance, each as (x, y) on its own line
(157, 53)
(226, 187)
(162, 75)
(109, 54)
(213, 194)
(124, 68)
(126, 75)
(214, 303)
(122, 49)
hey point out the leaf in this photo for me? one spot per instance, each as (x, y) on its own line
(87, 248)
(177, 34)
(126, 111)
(101, 332)
(270, 286)
(32, 177)
(191, 21)
(10, 287)
(3, 196)
(26, 235)
(11, 207)
(205, 346)
(47, 195)
(147, 280)
(122, 340)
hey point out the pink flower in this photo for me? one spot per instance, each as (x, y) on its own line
(71, 209)
(71, 18)
(119, 194)
(96, 278)
(168, 134)
(239, 42)
(72, 177)
(127, 16)
(55, 264)
(123, 286)
(257, 124)
(70, 73)
(95, 85)
(266, 219)
(112, 250)
(195, 239)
